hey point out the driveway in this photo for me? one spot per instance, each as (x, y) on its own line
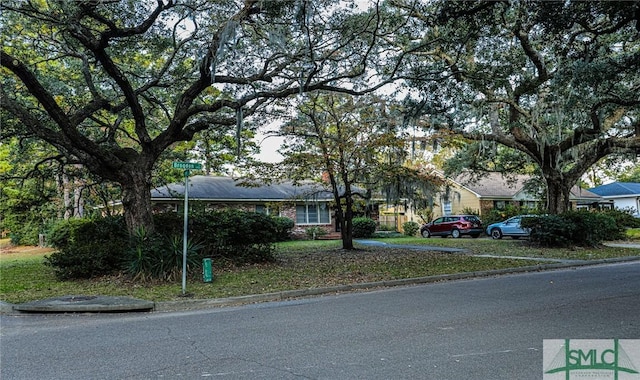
(408, 246)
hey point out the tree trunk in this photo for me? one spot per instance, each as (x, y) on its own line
(558, 192)
(344, 217)
(346, 224)
(78, 202)
(66, 197)
(136, 200)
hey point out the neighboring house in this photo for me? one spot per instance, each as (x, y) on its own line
(481, 195)
(489, 191)
(624, 195)
(307, 205)
(496, 191)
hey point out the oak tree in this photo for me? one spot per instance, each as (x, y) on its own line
(557, 81)
(114, 85)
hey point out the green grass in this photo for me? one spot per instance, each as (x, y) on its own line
(633, 234)
(306, 245)
(299, 265)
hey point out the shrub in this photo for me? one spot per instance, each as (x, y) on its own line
(315, 232)
(27, 234)
(141, 254)
(284, 226)
(237, 236)
(387, 227)
(25, 215)
(88, 247)
(102, 246)
(152, 256)
(549, 231)
(624, 218)
(363, 227)
(592, 228)
(426, 214)
(579, 228)
(170, 223)
(470, 211)
(410, 228)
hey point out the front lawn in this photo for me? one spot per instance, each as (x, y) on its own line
(298, 265)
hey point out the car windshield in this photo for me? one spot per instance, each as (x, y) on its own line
(472, 219)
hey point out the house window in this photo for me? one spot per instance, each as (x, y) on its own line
(499, 205)
(262, 209)
(312, 213)
(165, 207)
(446, 207)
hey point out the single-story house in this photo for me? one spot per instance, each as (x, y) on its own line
(307, 204)
(497, 191)
(624, 195)
(484, 193)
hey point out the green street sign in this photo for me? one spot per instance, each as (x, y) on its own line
(186, 165)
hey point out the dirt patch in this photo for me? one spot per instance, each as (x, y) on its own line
(24, 250)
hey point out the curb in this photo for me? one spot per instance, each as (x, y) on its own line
(85, 304)
(6, 308)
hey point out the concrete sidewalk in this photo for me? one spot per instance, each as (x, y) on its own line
(377, 243)
(623, 245)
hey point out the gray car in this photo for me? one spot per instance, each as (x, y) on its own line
(510, 227)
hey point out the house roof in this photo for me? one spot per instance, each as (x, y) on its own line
(493, 185)
(230, 189)
(579, 193)
(618, 189)
(499, 186)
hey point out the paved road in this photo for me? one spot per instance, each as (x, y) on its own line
(491, 328)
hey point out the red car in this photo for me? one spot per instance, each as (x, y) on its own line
(454, 225)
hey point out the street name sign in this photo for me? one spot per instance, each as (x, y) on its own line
(186, 165)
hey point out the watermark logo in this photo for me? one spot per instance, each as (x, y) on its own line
(602, 359)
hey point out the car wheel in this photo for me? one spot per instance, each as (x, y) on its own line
(425, 233)
(455, 233)
(496, 233)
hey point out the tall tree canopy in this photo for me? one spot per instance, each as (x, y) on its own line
(557, 81)
(113, 85)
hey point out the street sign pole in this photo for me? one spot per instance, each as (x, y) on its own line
(184, 232)
(187, 166)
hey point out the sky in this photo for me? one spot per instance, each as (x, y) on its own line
(268, 148)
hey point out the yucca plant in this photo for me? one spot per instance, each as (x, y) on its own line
(151, 257)
(139, 260)
(170, 264)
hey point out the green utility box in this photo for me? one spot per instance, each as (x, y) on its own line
(207, 273)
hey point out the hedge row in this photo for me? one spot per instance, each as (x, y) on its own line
(574, 228)
(94, 247)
